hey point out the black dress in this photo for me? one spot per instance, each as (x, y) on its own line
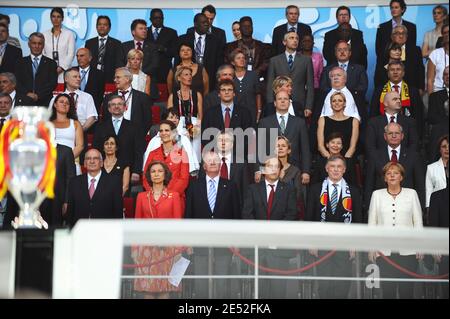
(344, 127)
(117, 171)
(186, 108)
(197, 81)
(246, 90)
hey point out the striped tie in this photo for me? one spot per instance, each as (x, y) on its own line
(212, 194)
(35, 66)
(290, 62)
(334, 199)
(282, 124)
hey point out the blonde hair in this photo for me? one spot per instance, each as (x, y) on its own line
(280, 81)
(133, 53)
(397, 165)
(338, 93)
(180, 70)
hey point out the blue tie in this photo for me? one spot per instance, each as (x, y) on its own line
(35, 66)
(83, 80)
(198, 47)
(290, 62)
(155, 34)
(344, 66)
(334, 199)
(116, 126)
(212, 194)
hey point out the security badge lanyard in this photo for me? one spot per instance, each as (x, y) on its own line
(55, 52)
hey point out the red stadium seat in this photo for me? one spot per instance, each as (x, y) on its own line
(156, 114)
(58, 89)
(128, 207)
(109, 88)
(163, 92)
(90, 140)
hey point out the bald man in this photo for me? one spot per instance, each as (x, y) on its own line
(94, 194)
(92, 79)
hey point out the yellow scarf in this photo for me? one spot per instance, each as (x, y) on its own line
(406, 101)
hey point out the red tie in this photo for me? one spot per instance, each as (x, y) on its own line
(123, 93)
(92, 188)
(394, 156)
(139, 45)
(224, 169)
(72, 98)
(270, 201)
(227, 117)
(396, 88)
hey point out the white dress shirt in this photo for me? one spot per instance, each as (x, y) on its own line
(288, 54)
(13, 98)
(86, 77)
(268, 188)
(100, 42)
(435, 179)
(390, 149)
(96, 177)
(388, 116)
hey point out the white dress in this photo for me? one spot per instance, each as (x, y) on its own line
(64, 44)
(139, 81)
(350, 110)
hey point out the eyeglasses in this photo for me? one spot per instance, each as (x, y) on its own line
(92, 158)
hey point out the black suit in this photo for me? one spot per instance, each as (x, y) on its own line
(359, 49)
(217, 32)
(384, 33)
(278, 36)
(106, 202)
(10, 56)
(414, 172)
(141, 115)
(95, 86)
(113, 59)
(436, 107)
(357, 81)
(166, 48)
(226, 207)
(44, 83)
(130, 144)
(22, 100)
(375, 133)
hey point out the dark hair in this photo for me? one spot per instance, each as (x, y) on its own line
(396, 63)
(402, 4)
(445, 25)
(136, 22)
(6, 95)
(343, 8)
(234, 22)
(209, 8)
(6, 17)
(156, 10)
(72, 114)
(166, 112)
(334, 135)
(440, 140)
(57, 10)
(116, 140)
(390, 47)
(291, 7)
(171, 124)
(167, 173)
(246, 18)
(4, 26)
(197, 16)
(440, 6)
(225, 82)
(104, 17)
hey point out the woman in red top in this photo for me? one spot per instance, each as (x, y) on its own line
(157, 202)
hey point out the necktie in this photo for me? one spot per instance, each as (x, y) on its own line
(139, 45)
(72, 98)
(101, 51)
(2, 122)
(92, 188)
(123, 93)
(116, 126)
(394, 157)
(212, 195)
(155, 34)
(392, 119)
(270, 201)
(198, 47)
(227, 117)
(396, 88)
(344, 66)
(282, 124)
(83, 80)
(334, 199)
(292, 29)
(290, 62)
(35, 66)
(224, 169)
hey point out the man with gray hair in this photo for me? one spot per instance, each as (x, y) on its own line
(36, 74)
(5, 109)
(8, 86)
(224, 72)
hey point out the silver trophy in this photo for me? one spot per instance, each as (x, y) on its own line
(28, 157)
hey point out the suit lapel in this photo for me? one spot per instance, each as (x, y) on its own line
(85, 187)
(280, 189)
(219, 198)
(289, 124)
(263, 195)
(204, 194)
(100, 183)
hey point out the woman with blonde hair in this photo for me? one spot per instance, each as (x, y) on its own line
(284, 83)
(141, 81)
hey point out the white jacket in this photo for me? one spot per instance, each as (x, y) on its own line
(435, 179)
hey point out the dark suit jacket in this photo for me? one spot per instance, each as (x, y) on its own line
(262, 55)
(357, 81)
(302, 75)
(10, 56)
(45, 81)
(384, 32)
(166, 46)
(22, 100)
(439, 208)
(212, 56)
(414, 172)
(278, 36)
(217, 32)
(131, 145)
(95, 86)
(106, 202)
(359, 49)
(375, 133)
(141, 115)
(283, 206)
(436, 109)
(313, 208)
(114, 56)
(297, 133)
(227, 200)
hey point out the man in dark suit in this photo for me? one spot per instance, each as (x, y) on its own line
(164, 39)
(293, 128)
(94, 194)
(384, 31)
(5, 109)
(292, 15)
(131, 145)
(345, 32)
(357, 81)
(395, 152)
(207, 50)
(92, 80)
(271, 199)
(299, 68)
(9, 54)
(210, 12)
(8, 86)
(36, 74)
(392, 113)
(107, 52)
(339, 211)
(212, 197)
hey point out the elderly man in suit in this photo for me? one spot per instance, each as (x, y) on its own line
(94, 194)
(210, 13)
(5, 109)
(212, 197)
(36, 74)
(92, 79)
(107, 52)
(8, 53)
(299, 68)
(292, 17)
(8, 84)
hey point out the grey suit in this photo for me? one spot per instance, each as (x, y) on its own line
(302, 75)
(297, 133)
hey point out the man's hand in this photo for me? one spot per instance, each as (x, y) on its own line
(305, 178)
(308, 113)
(33, 96)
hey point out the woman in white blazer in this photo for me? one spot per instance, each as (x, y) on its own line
(436, 178)
(59, 43)
(395, 206)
